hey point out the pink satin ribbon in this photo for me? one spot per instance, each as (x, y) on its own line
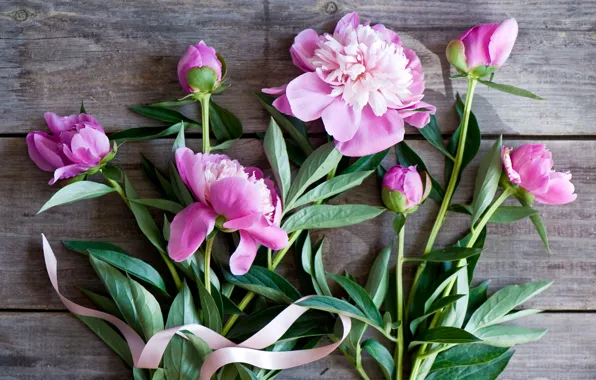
(225, 351)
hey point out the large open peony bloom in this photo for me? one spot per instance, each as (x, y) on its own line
(77, 143)
(530, 166)
(361, 81)
(238, 198)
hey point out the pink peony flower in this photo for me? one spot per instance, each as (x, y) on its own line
(530, 167)
(361, 81)
(197, 57)
(483, 48)
(403, 190)
(235, 197)
(77, 144)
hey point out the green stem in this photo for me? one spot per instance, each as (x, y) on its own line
(204, 99)
(359, 364)
(119, 190)
(399, 350)
(207, 268)
(450, 186)
(477, 231)
(269, 259)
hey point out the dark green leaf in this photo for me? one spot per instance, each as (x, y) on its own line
(448, 254)
(472, 145)
(173, 103)
(330, 216)
(104, 303)
(511, 89)
(148, 133)
(224, 124)
(332, 187)
(366, 163)
(432, 133)
(162, 204)
(179, 188)
(158, 180)
(438, 305)
(467, 355)
(75, 192)
(360, 297)
(148, 309)
(131, 265)
(266, 283)
(334, 305)
(82, 110)
(180, 141)
(540, 228)
(398, 223)
(485, 371)
(306, 255)
(211, 318)
(445, 335)
(487, 180)
(106, 333)
(407, 157)
(277, 154)
(112, 172)
(378, 278)
(478, 295)
(444, 280)
(319, 270)
(230, 307)
(381, 355)
(163, 114)
(82, 246)
(508, 214)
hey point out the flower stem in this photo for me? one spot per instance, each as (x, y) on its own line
(204, 99)
(207, 268)
(269, 259)
(399, 350)
(450, 186)
(359, 364)
(477, 230)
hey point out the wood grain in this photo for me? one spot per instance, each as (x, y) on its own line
(116, 54)
(56, 346)
(514, 252)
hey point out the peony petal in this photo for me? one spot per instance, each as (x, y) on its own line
(209, 58)
(271, 236)
(514, 177)
(184, 162)
(418, 119)
(189, 229)
(502, 41)
(375, 133)
(413, 188)
(341, 120)
(560, 190)
(283, 105)
(526, 152)
(235, 197)
(476, 42)
(96, 142)
(350, 19)
(44, 151)
(389, 35)
(68, 171)
(303, 49)
(190, 59)
(243, 222)
(275, 90)
(245, 254)
(308, 96)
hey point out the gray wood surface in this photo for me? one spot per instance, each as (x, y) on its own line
(113, 54)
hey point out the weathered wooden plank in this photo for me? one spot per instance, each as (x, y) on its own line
(113, 55)
(58, 346)
(514, 251)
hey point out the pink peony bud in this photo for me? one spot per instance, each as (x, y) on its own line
(483, 48)
(199, 69)
(403, 190)
(231, 197)
(530, 167)
(77, 144)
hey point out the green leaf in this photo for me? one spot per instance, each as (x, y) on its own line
(159, 374)
(366, 163)
(407, 157)
(510, 89)
(316, 166)
(487, 180)
(398, 223)
(199, 345)
(148, 133)
(478, 295)
(179, 142)
(445, 335)
(211, 318)
(157, 179)
(507, 336)
(516, 314)
(143, 217)
(162, 204)
(485, 371)
(163, 114)
(330, 216)
(266, 283)
(230, 307)
(443, 281)
(179, 188)
(112, 172)
(502, 302)
(148, 309)
(173, 103)
(447, 254)
(467, 355)
(360, 297)
(245, 373)
(332, 187)
(432, 133)
(377, 283)
(136, 267)
(166, 228)
(334, 305)
(277, 154)
(109, 336)
(82, 110)
(181, 360)
(381, 355)
(224, 145)
(104, 303)
(438, 305)
(319, 270)
(293, 126)
(537, 221)
(75, 192)
(119, 288)
(472, 145)
(508, 214)
(306, 256)
(83, 246)
(224, 124)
